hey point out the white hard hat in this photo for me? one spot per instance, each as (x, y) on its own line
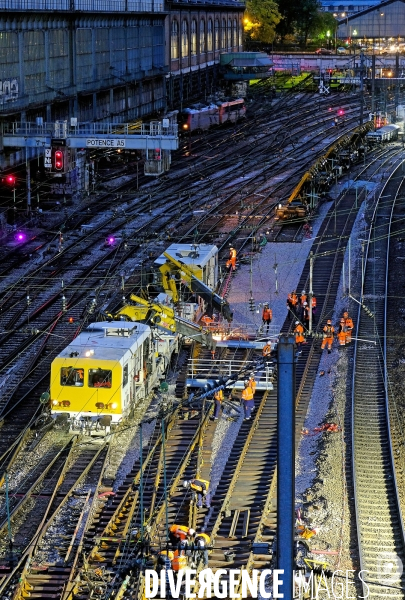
(186, 484)
(303, 292)
(269, 341)
(305, 303)
(297, 322)
(191, 531)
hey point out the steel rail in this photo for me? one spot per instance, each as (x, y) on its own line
(380, 526)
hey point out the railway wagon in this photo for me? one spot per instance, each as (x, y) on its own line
(106, 371)
(201, 117)
(387, 133)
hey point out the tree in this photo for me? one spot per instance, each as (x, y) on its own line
(322, 23)
(289, 10)
(307, 18)
(261, 19)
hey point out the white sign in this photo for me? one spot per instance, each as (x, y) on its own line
(48, 158)
(105, 143)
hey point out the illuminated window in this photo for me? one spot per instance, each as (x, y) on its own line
(223, 34)
(193, 36)
(209, 36)
(175, 39)
(100, 378)
(202, 36)
(229, 33)
(184, 38)
(125, 376)
(71, 376)
(234, 33)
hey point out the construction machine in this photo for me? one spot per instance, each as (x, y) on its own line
(175, 271)
(157, 313)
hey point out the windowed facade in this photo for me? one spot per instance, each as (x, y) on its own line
(202, 36)
(216, 34)
(174, 39)
(209, 36)
(193, 37)
(184, 39)
(235, 33)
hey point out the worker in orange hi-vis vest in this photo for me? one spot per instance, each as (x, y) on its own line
(231, 262)
(267, 316)
(328, 335)
(349, 327)
(303, 297)
(299, 334)
(252, 382)
(248, 402)
(342, 333)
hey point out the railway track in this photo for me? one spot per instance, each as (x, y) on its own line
(62, 496)
(379, 519)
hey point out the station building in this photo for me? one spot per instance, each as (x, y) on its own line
(382, 22)
(108, 60)
(337, 7)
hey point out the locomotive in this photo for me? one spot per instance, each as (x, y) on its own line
(201, 117)
(105, 372)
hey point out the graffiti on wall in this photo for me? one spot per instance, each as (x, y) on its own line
(8, 89)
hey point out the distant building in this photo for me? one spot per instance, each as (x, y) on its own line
(349, 9)
(381, 22)
(197, 32)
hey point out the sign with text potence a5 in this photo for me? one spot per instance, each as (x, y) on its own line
(105, 143)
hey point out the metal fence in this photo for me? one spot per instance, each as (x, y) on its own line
(84, 5)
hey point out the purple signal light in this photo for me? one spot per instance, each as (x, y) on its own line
(111, 240)
(20, 237)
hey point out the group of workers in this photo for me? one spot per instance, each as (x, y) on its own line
(188, 548)
(344, 334)
(298, 306)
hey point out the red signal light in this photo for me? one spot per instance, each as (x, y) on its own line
(11, 179)
(58, 160)
(341, 112)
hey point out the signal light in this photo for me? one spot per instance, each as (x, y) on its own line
(70, 319)
(157, 154)
(58, 160)
(11, 179)
(341, 112)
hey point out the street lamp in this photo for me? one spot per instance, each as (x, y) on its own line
(328, 36)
